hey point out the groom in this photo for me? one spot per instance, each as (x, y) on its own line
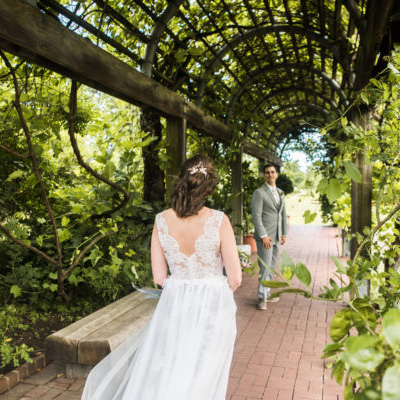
(270, 222)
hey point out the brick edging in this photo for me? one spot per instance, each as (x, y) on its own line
(9, 380)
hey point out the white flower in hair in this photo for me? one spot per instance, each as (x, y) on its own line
(198, 168)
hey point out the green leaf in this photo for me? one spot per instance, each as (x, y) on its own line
(73, 280)
(371, 394)
(323, 185)
(31, 181)
(364, 97)
(393, 68)
(391, 327)
(352, 171)
(391, 383)
(365, 314)
(303, 274)
(15, 291)
(340, 325)
(94, 256)
(286, 261)
(334, 190)
(39, 240)
(41, 220)
(196, 51)
(332, 349)
(338, 371)
(53, 275)
(361, 353)
(53, 287)
(16, 174)
(287, 273)
(63, 234)
(274, 284)
(109, 169)
(65, 221)
(348, 392)
(341, 268)
(180, 55)
(291, 290)
(309, 216)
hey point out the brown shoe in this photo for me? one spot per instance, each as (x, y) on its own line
(273, 299)
(262, 304)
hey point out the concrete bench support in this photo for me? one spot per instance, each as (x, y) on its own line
(84, 343)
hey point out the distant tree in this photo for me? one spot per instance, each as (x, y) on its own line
(285, 183)
(294, 173)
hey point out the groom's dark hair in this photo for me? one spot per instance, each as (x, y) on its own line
(197, 180)
(270, 164)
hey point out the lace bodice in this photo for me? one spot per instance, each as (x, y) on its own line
(205, 262)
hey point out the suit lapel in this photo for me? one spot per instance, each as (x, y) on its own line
(271, 196)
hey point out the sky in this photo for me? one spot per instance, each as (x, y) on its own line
(301, 158)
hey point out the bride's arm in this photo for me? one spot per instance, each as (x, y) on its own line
(230, 256)
(158, 262)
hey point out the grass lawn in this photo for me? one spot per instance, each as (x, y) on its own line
(300, 201)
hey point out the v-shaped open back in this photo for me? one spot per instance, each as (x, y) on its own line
(184, 239)
(202, 257)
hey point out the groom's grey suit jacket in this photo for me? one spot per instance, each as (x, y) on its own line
(269, 218)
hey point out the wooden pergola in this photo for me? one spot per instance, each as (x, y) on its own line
(249, 72)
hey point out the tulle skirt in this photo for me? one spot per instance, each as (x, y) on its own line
(183, 354)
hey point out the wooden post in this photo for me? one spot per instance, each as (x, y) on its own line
(361, 201)
(176, 151)
(237, 193)
(153, 176)
(261, 167)
(361, 197)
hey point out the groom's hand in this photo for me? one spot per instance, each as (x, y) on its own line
(283, 240)
(266, 240)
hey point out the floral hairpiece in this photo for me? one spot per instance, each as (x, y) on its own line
(198, 168)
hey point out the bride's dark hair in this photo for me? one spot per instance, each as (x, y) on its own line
(197, 180)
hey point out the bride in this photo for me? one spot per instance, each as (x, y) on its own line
(186, 350)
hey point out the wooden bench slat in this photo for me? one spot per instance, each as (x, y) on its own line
(78, 342)
(93, 348)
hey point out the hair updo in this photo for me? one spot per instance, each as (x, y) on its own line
(197, 180)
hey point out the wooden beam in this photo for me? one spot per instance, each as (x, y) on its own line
(38, 38)
(260, 153)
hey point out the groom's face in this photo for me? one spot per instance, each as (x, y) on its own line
(270, 175)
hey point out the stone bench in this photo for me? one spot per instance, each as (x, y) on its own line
(84, 343)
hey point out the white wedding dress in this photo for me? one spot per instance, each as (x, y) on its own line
(186, 350)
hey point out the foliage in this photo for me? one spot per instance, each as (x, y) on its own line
(285, 183)
(99, 256)
(365, 348)
(292, 170)
(366, 334)
(11, 320)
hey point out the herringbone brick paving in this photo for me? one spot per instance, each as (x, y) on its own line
(278, 351)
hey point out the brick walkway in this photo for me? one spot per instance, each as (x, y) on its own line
(277, 354)
(278, 351)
